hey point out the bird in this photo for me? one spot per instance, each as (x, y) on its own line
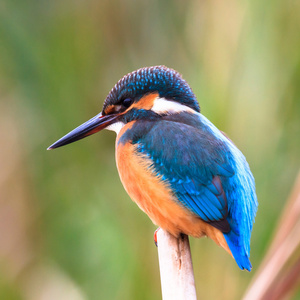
(182, 171)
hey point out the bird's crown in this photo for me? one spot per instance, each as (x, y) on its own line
(165, 82)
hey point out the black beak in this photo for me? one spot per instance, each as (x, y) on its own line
(92, 126)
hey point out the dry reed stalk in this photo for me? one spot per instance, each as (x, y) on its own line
(176, 268)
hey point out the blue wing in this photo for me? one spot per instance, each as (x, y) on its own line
(207, 173)
(192, 161)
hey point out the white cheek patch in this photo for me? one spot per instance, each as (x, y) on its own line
(163, 106)
(116, 127)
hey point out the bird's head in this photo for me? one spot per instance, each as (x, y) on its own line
(143, 94)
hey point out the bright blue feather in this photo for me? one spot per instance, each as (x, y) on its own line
(205, 170)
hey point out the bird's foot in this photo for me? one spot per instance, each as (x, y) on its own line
(155, 236)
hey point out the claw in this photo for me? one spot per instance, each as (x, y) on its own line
(155, 236)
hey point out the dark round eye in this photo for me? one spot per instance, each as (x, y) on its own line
(127, 102)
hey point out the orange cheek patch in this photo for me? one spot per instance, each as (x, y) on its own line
(109, 109)
(146, 102)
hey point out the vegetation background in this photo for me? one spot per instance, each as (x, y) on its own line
(68, 230)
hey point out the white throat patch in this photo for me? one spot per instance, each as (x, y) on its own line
(116, 127)
(163, 106)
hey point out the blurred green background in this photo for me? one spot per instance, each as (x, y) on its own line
(68, 230)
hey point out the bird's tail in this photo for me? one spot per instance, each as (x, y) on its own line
(238, 250)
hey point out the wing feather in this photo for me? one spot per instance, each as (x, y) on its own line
(194, 165)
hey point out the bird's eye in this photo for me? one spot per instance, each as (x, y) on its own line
(127, 102)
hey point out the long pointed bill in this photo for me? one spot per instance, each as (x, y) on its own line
(92, 126)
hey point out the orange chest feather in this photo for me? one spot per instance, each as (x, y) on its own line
(149, 192)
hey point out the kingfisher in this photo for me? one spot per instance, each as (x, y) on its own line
(182, 171)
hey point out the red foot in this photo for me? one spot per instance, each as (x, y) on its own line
(155, 236)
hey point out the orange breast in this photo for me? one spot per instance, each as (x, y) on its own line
(155, 197)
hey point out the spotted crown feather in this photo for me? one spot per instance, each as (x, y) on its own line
(167, 82)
